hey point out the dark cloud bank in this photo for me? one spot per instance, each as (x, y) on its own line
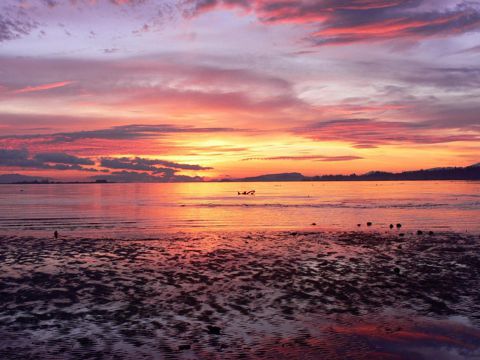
(125, 169)
(47, 161)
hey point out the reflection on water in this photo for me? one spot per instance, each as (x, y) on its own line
(146, 209)
(382, 336)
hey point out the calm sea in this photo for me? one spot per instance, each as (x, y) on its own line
(145, 210)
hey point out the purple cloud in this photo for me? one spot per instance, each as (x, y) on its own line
(21, 158)
(138, 163)
(136, 176)
(351, 21)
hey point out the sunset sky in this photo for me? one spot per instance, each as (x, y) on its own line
(167, 90)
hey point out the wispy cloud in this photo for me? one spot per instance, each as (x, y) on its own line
(134, 132)
(308, 157)
(62, 158)
(352, 21)
(124, 132)
(138, 163)
(370, 133)
(136, 176)
(42, 87)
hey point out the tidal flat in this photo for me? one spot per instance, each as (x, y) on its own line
(245, 295)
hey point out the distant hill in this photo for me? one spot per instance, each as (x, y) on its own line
(17, 178)
(276, 177)
(471, 172)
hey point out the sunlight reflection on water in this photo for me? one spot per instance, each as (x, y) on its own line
(146, 209)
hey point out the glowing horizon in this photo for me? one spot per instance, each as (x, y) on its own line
(191, 89)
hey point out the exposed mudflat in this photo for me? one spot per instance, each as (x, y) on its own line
(332, 295)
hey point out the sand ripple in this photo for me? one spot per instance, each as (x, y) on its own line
(282, 295)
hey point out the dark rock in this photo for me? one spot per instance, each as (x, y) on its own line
(396, 271)
(190, 300)
(214, 330)
(399, 226)
(438, 307)
(419, 232)
(184, 347)
(369, 223)
(84, 341)
(313, 224)
(391, 226)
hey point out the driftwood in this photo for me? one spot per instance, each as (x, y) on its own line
(251, 192)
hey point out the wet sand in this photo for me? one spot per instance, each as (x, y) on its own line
(275, 295)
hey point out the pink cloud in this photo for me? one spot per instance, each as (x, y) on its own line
(351, 21)
(42, 87)
(369, 133)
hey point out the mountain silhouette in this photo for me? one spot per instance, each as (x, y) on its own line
(471, 172)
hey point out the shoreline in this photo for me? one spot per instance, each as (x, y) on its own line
(221, 294)
(239, 181)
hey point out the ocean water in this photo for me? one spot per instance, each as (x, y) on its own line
(144, 210)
